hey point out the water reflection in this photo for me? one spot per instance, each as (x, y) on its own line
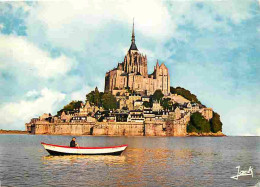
(165, 165)
(83, 159)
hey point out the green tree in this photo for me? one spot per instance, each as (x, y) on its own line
(185, 93)
(166, 103)
(94, 97)
(91, 97)
(70, 107)
(175, 105)
(199, 122)
(215, 123)
(97, 97)
(109, 101)
(147, 104)
(191, 128)
(158, 95)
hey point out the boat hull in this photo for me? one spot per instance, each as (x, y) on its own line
(55, 153)
(65, 150)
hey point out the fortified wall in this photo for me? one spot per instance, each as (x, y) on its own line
(168, 128)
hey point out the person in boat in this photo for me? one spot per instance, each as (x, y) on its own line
(73, 142)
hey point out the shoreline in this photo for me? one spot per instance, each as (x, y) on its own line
(13, 132)
(193, 134)
(210, 134)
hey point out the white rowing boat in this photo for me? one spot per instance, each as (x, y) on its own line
(66, 150)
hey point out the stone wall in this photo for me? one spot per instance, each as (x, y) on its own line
(152, 128)
(119, 128)
(63, 128)
(155, 128)
(179, 130)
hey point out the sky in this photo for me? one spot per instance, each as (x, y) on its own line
(52, 52)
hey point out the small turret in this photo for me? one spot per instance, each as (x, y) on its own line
(157, 64)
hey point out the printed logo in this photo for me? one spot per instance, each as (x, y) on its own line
(243, 173)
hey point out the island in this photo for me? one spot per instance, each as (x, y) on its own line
(134, 103)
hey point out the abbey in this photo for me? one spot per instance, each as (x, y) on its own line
(132, 74)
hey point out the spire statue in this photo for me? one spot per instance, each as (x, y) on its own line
(133, 32)
(133, 46)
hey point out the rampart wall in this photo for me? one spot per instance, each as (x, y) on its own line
(153, 128)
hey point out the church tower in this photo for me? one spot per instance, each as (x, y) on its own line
(132, 74)
(134, 61)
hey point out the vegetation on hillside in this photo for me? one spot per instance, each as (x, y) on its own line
(185, 93)
(109, 101)
(148, 104)
(198, 123)
(166, 103)
(95, 97)
(100, 99)
(158, 95)
(215, 123)
(70, 107)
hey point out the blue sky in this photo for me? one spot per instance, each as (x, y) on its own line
(53, 52)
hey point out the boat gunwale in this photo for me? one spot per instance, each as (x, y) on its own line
(111, 147)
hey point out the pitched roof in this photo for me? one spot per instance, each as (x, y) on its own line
(133, 47)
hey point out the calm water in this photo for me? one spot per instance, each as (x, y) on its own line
(148, 161)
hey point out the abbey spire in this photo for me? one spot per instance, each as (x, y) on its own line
(133, 46)
(133, 32)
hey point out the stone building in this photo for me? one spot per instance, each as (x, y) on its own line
(207, 113)
(132, 74)
(44, 116)
(87, 108)
(128, 101)
(65, 117)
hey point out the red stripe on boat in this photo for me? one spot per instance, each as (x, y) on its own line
(85, 147)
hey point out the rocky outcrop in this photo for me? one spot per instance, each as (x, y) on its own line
(206, 134)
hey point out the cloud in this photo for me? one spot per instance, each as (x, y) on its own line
(210, 15)
(17, 51)
(32, 93)
(1, 26)
(235, 11)
(78, 23)
(13, 7)
(81, 22)
(81, 94)
(15, 114)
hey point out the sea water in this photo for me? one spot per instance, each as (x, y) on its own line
(148, 161)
